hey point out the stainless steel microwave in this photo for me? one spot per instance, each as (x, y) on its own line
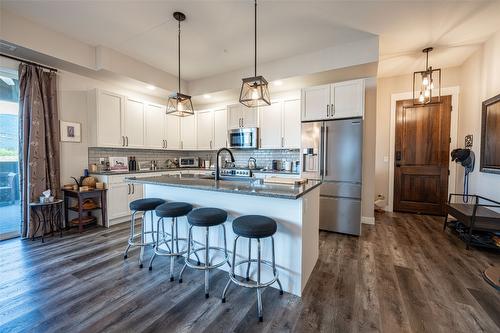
(243, 138)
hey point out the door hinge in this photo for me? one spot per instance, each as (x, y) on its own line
(451, 108)
(450, 140)
(448, 172)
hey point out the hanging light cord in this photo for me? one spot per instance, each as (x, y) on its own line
(179, 55)
(255, 38)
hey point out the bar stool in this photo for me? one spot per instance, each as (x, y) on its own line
(253, 227)
(141, 205)
(206, 218)
(171, 210)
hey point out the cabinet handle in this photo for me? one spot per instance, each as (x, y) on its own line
(328, 110)
(128, 186)
(133, 188)
(333, 110)
(127, 141)
(282, 142)
(260, 142)
(210, 144)
(123, 141)
(242, 122)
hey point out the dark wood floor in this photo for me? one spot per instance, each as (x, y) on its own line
(402, 275)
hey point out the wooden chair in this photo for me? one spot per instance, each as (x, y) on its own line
(480, 214)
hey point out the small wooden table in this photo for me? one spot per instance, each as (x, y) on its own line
(48, 215)
(84, 215)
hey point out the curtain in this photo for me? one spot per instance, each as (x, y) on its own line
(39, 139)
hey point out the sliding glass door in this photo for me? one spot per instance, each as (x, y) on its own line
(10, 210)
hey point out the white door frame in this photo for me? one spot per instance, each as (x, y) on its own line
(454, 92)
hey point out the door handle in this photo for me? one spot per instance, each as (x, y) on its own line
(328, 110)
(322, 151)
(398, 155)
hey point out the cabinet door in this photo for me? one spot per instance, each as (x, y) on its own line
(109, 120)
(155, 126)
(348, 99)
(220, 128)
(270, 126)
(291, 124)
(205, 130)
(188, 132)
(234, 116)
(173, 135)
(133, 123)
(118, 200)
(249, 117)
(136, 192)
(315, 101)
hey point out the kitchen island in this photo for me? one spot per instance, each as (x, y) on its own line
(295, 209)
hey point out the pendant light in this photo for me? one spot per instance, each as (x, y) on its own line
(254, 90)
(179, 104)
(428, 83)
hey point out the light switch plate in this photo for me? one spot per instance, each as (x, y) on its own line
(469, 141)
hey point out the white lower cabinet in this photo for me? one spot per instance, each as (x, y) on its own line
(118, 200)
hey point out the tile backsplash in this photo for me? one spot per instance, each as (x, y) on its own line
(264, 157)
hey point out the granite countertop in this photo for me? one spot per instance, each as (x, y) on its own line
(278, 172)
(248, 187)
(110, 173)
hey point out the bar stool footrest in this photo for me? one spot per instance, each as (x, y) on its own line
(253, 285)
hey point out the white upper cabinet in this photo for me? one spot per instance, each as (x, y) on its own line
(155, 126)
(133, 123)
(348, 99)
(315, 102)
(220, 128)
(205, 129)
(334, 101)
(173, 135)
(108, 113)
(291, 124)
(271, 126)
(239, 116)
(188, 132)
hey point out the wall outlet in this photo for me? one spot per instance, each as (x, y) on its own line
(469, 141)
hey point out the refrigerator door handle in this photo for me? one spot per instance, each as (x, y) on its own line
(325, 158)
(322, 151)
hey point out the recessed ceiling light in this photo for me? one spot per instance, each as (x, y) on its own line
(151, 87)
(278, 83)
(207, 96)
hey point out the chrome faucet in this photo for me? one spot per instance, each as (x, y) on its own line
(217, 167)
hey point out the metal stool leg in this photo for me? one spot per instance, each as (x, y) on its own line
(143, 240)
(274, 266)
(157, 243)
(259, 297)
(249, 258)
(231, 271)
(190, 241)
(172, 260)
(207, 263)
(225, 244)
(176, 234)
(131, 236)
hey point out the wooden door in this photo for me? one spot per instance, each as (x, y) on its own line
(316, 102)
(155, 126)
(270, 126)
(205, 128)
(291, 124)
(422, 156)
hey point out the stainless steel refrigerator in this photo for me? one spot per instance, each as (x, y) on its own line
(332, 152)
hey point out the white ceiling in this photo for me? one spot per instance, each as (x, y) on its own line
(218, 35)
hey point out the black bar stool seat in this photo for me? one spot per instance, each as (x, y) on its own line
(142, 205)
(253, 227)
(205, 218)
(173, 209)
(146, 204)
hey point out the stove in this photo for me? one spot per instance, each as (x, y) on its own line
(235, 172)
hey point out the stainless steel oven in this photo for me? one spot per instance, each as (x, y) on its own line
(240, 138)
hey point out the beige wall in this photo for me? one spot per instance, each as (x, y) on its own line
(480, 80)
(385, 88)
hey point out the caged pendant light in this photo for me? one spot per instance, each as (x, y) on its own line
(255, 90)
(180, 104)
(427, 83)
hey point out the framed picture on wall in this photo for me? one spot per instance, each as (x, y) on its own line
(490, 136)
(70, 132)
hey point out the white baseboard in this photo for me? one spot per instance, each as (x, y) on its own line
(367, 220)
